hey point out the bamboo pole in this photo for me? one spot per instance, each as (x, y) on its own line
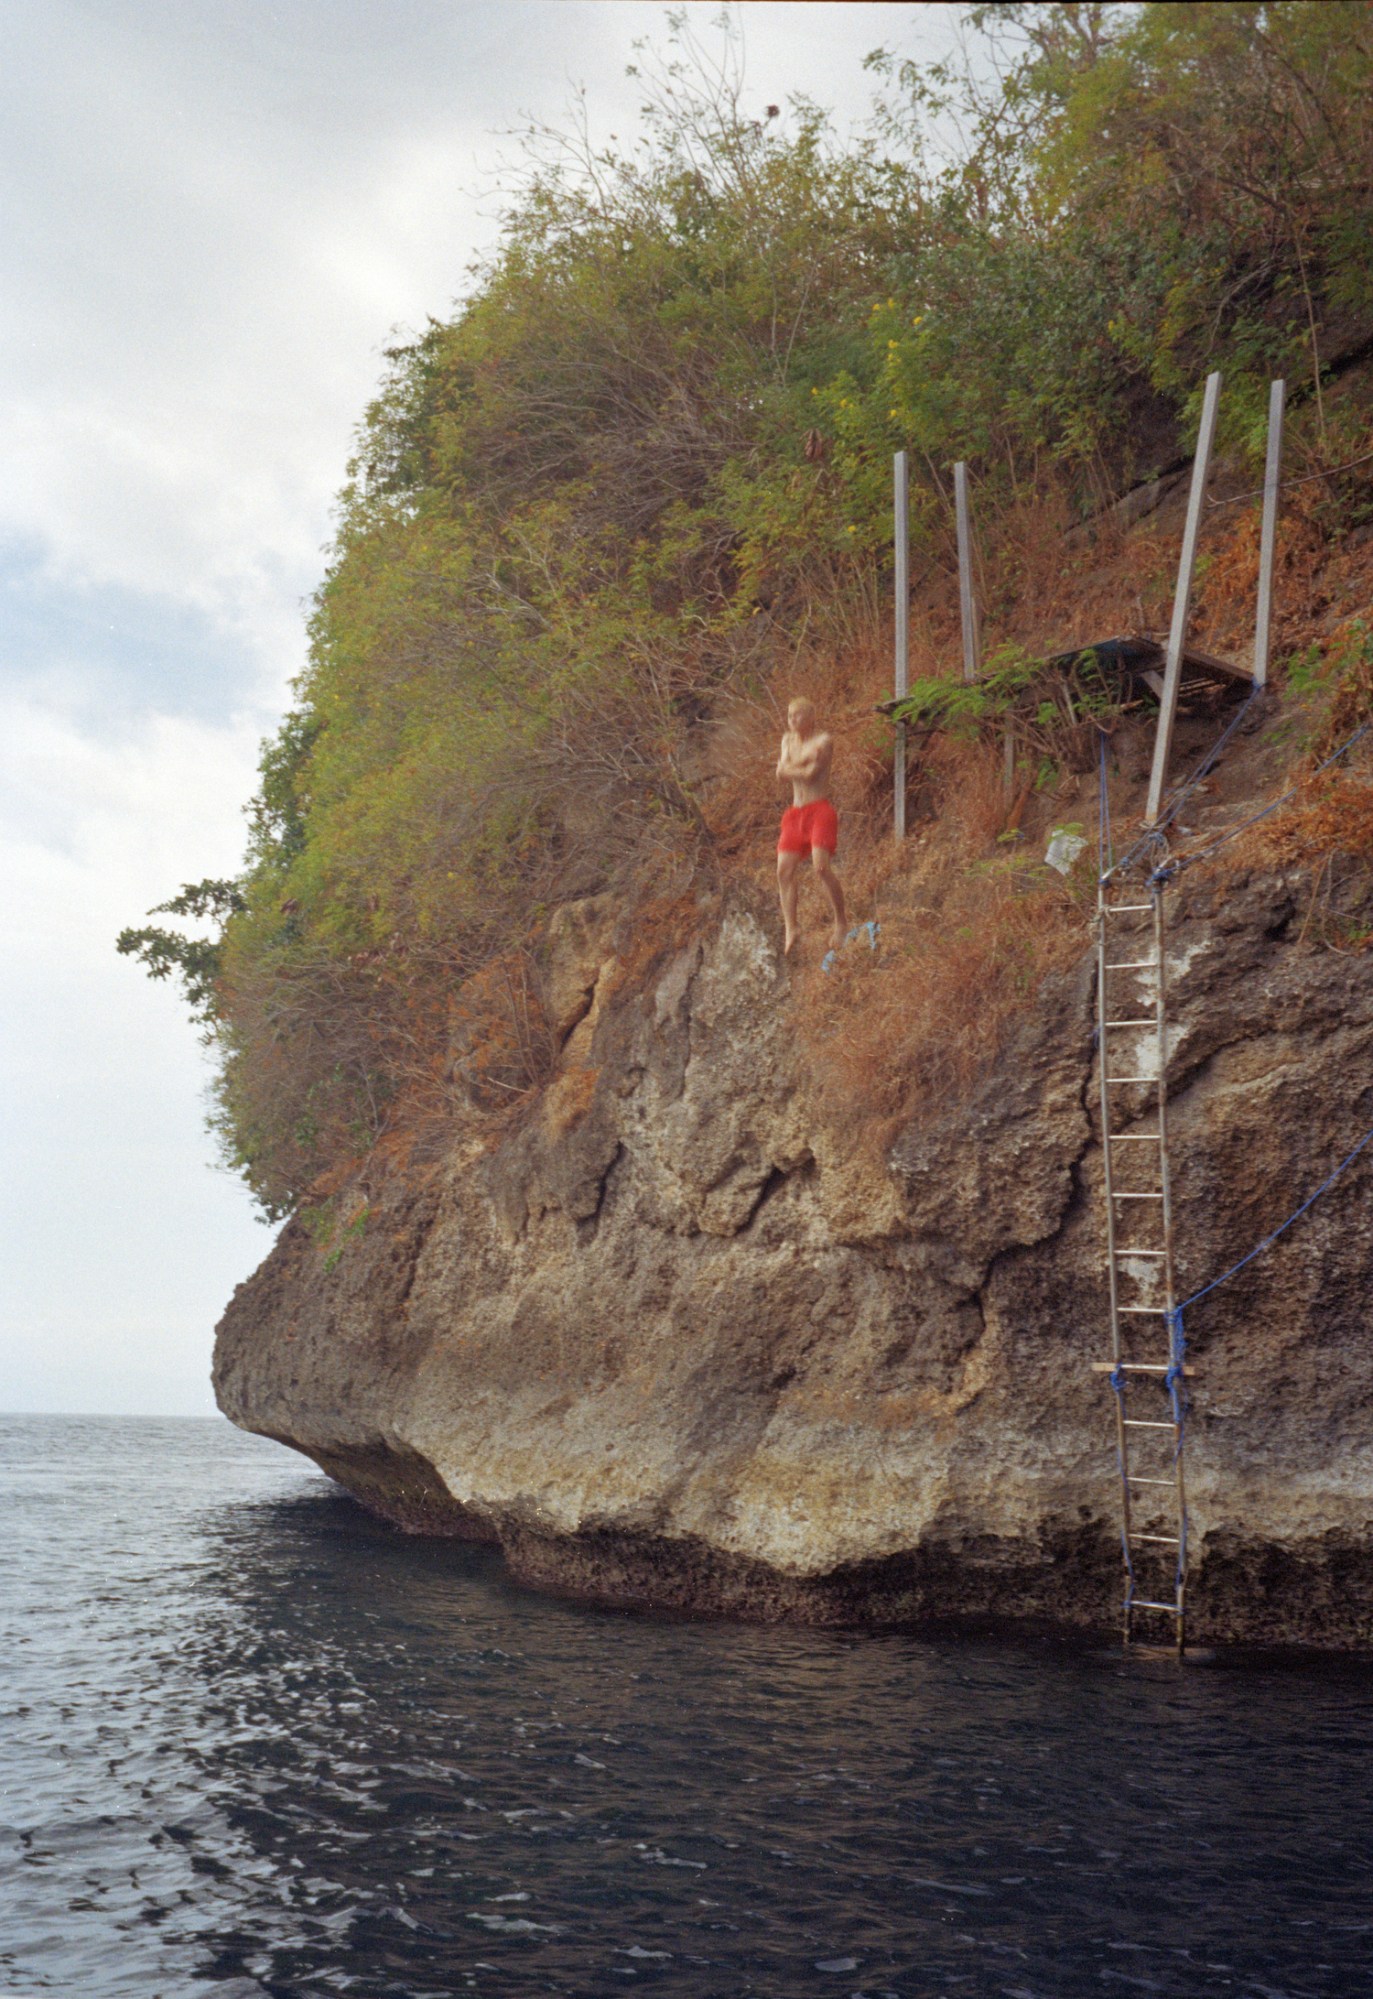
(1272, 480)
(966, 605)
(1182, 599)
(901, 500)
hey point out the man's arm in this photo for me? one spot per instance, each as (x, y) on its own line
(803, 760)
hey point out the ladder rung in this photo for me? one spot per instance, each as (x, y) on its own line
(1132, 1079)
(1136, 1197)
(1133, 1478)
(1125, 908)
(1143, 1603)
(1149, 1311)
(1134, 1366)
(1134, 965)
(1171, 1540)
(1149, 1021)
(1145, 1423)
(1120, 1253)
(1134, 1137)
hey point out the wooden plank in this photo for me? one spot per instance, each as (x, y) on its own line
(1196, 661)
(1182, 599)
(901, 500)
(1272, 480)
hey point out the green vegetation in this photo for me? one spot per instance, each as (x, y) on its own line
(1048, 702)
(194, 960)
(651, 451)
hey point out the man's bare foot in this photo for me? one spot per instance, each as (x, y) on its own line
(837, 936)
(789, 943)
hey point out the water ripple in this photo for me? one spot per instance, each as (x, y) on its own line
(253, 1744)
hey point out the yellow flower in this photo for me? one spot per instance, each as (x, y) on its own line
(918, 317)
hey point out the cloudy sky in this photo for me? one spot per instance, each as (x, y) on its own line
(214, 214)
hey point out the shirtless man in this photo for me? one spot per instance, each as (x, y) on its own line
(810, 824)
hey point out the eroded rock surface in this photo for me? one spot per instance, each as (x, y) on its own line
(680, 1343)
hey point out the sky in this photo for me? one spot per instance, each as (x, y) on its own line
(214, 216)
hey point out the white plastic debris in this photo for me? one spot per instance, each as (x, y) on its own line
(1063, 848)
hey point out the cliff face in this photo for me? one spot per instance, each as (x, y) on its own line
(679, 1343)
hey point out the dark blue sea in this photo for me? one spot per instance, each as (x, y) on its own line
(251, 1742)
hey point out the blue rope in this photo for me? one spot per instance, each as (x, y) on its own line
(1174, 1379)
(1208, 762)
(1173, 804)
(1169, 869)
(1269, 1240)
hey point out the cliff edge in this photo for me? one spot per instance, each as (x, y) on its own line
(680, 1341)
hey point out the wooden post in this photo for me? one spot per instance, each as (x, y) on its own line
(967, 607)
(1272, 479)
(1177, 636)
(902, 504)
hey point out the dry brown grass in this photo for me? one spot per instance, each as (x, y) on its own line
(1332, 817)
(968, 934)
(500, 1045)
(969, 926)
(660, 926)
(917, 1029)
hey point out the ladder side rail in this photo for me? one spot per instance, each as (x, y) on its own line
(1117, 1350)
(1169, 1287)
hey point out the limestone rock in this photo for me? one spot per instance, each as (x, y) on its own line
(677, 1343)
(580, 948)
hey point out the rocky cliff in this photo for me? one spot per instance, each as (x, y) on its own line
(678, 1342)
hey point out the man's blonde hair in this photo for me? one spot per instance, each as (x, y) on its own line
(804, 706)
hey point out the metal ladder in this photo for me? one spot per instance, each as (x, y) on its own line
(1145, 1372)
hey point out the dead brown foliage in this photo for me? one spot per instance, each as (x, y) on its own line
(501, 1047)
(968, 934)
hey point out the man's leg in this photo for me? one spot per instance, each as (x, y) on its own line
(829, 881)
(787, 864)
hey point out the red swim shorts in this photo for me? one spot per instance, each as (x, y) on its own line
(807, 826)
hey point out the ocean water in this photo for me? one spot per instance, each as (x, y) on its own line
(252, 1742)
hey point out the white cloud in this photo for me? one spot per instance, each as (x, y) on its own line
(226, 208)
(123, 1245)
(214, 216)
